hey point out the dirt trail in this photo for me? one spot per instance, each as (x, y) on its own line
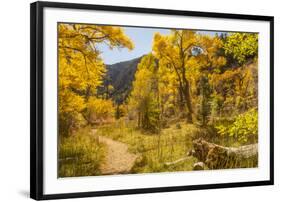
(118, 159)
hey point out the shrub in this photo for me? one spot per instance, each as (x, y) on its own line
(244, 127)
(99, 110)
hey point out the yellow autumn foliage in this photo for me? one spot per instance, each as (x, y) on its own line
(99, 110)
(81, 68)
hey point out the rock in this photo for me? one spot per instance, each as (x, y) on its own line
(198, 166)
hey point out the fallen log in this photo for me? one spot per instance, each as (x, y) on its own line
(177, 161)
(219, 157)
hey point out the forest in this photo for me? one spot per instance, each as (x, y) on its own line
(191, 103)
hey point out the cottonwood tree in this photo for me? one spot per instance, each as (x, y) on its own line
(190, 56)
(209, 60)
(81, 68)
(173, 51)
(144, 98)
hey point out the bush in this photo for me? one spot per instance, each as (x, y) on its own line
(244, 127)
(99, 110)
(70, 122)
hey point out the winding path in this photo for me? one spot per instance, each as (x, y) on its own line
(118, 159)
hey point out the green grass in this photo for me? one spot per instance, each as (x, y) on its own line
(80, 154)
(155, 149)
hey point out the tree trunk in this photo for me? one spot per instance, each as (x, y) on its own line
(181, 103)
(219, 157)
(139, 119)
(186, 87)
(188, 100)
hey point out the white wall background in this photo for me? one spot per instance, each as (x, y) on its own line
(14, 100)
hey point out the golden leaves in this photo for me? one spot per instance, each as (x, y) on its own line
(81, 68)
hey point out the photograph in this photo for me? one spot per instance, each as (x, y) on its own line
(141, 100)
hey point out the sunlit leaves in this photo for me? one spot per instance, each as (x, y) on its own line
(188, 55)
(81, 68)
(244, 127)
(144, 96)
(99, 110)
(242, 46)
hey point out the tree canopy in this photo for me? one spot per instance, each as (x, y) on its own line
(81, 68)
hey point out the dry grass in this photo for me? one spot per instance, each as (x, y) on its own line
(155, 149)
(80, 154)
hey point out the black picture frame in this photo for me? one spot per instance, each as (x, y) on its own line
(36, 98)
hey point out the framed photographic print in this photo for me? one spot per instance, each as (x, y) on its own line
(134, 100)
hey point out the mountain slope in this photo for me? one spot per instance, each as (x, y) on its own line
(120, 76)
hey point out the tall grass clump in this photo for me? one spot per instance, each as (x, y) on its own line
(80, 154)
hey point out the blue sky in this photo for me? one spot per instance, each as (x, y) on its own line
(142, 38)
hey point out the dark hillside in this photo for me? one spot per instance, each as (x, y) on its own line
(120, 76)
